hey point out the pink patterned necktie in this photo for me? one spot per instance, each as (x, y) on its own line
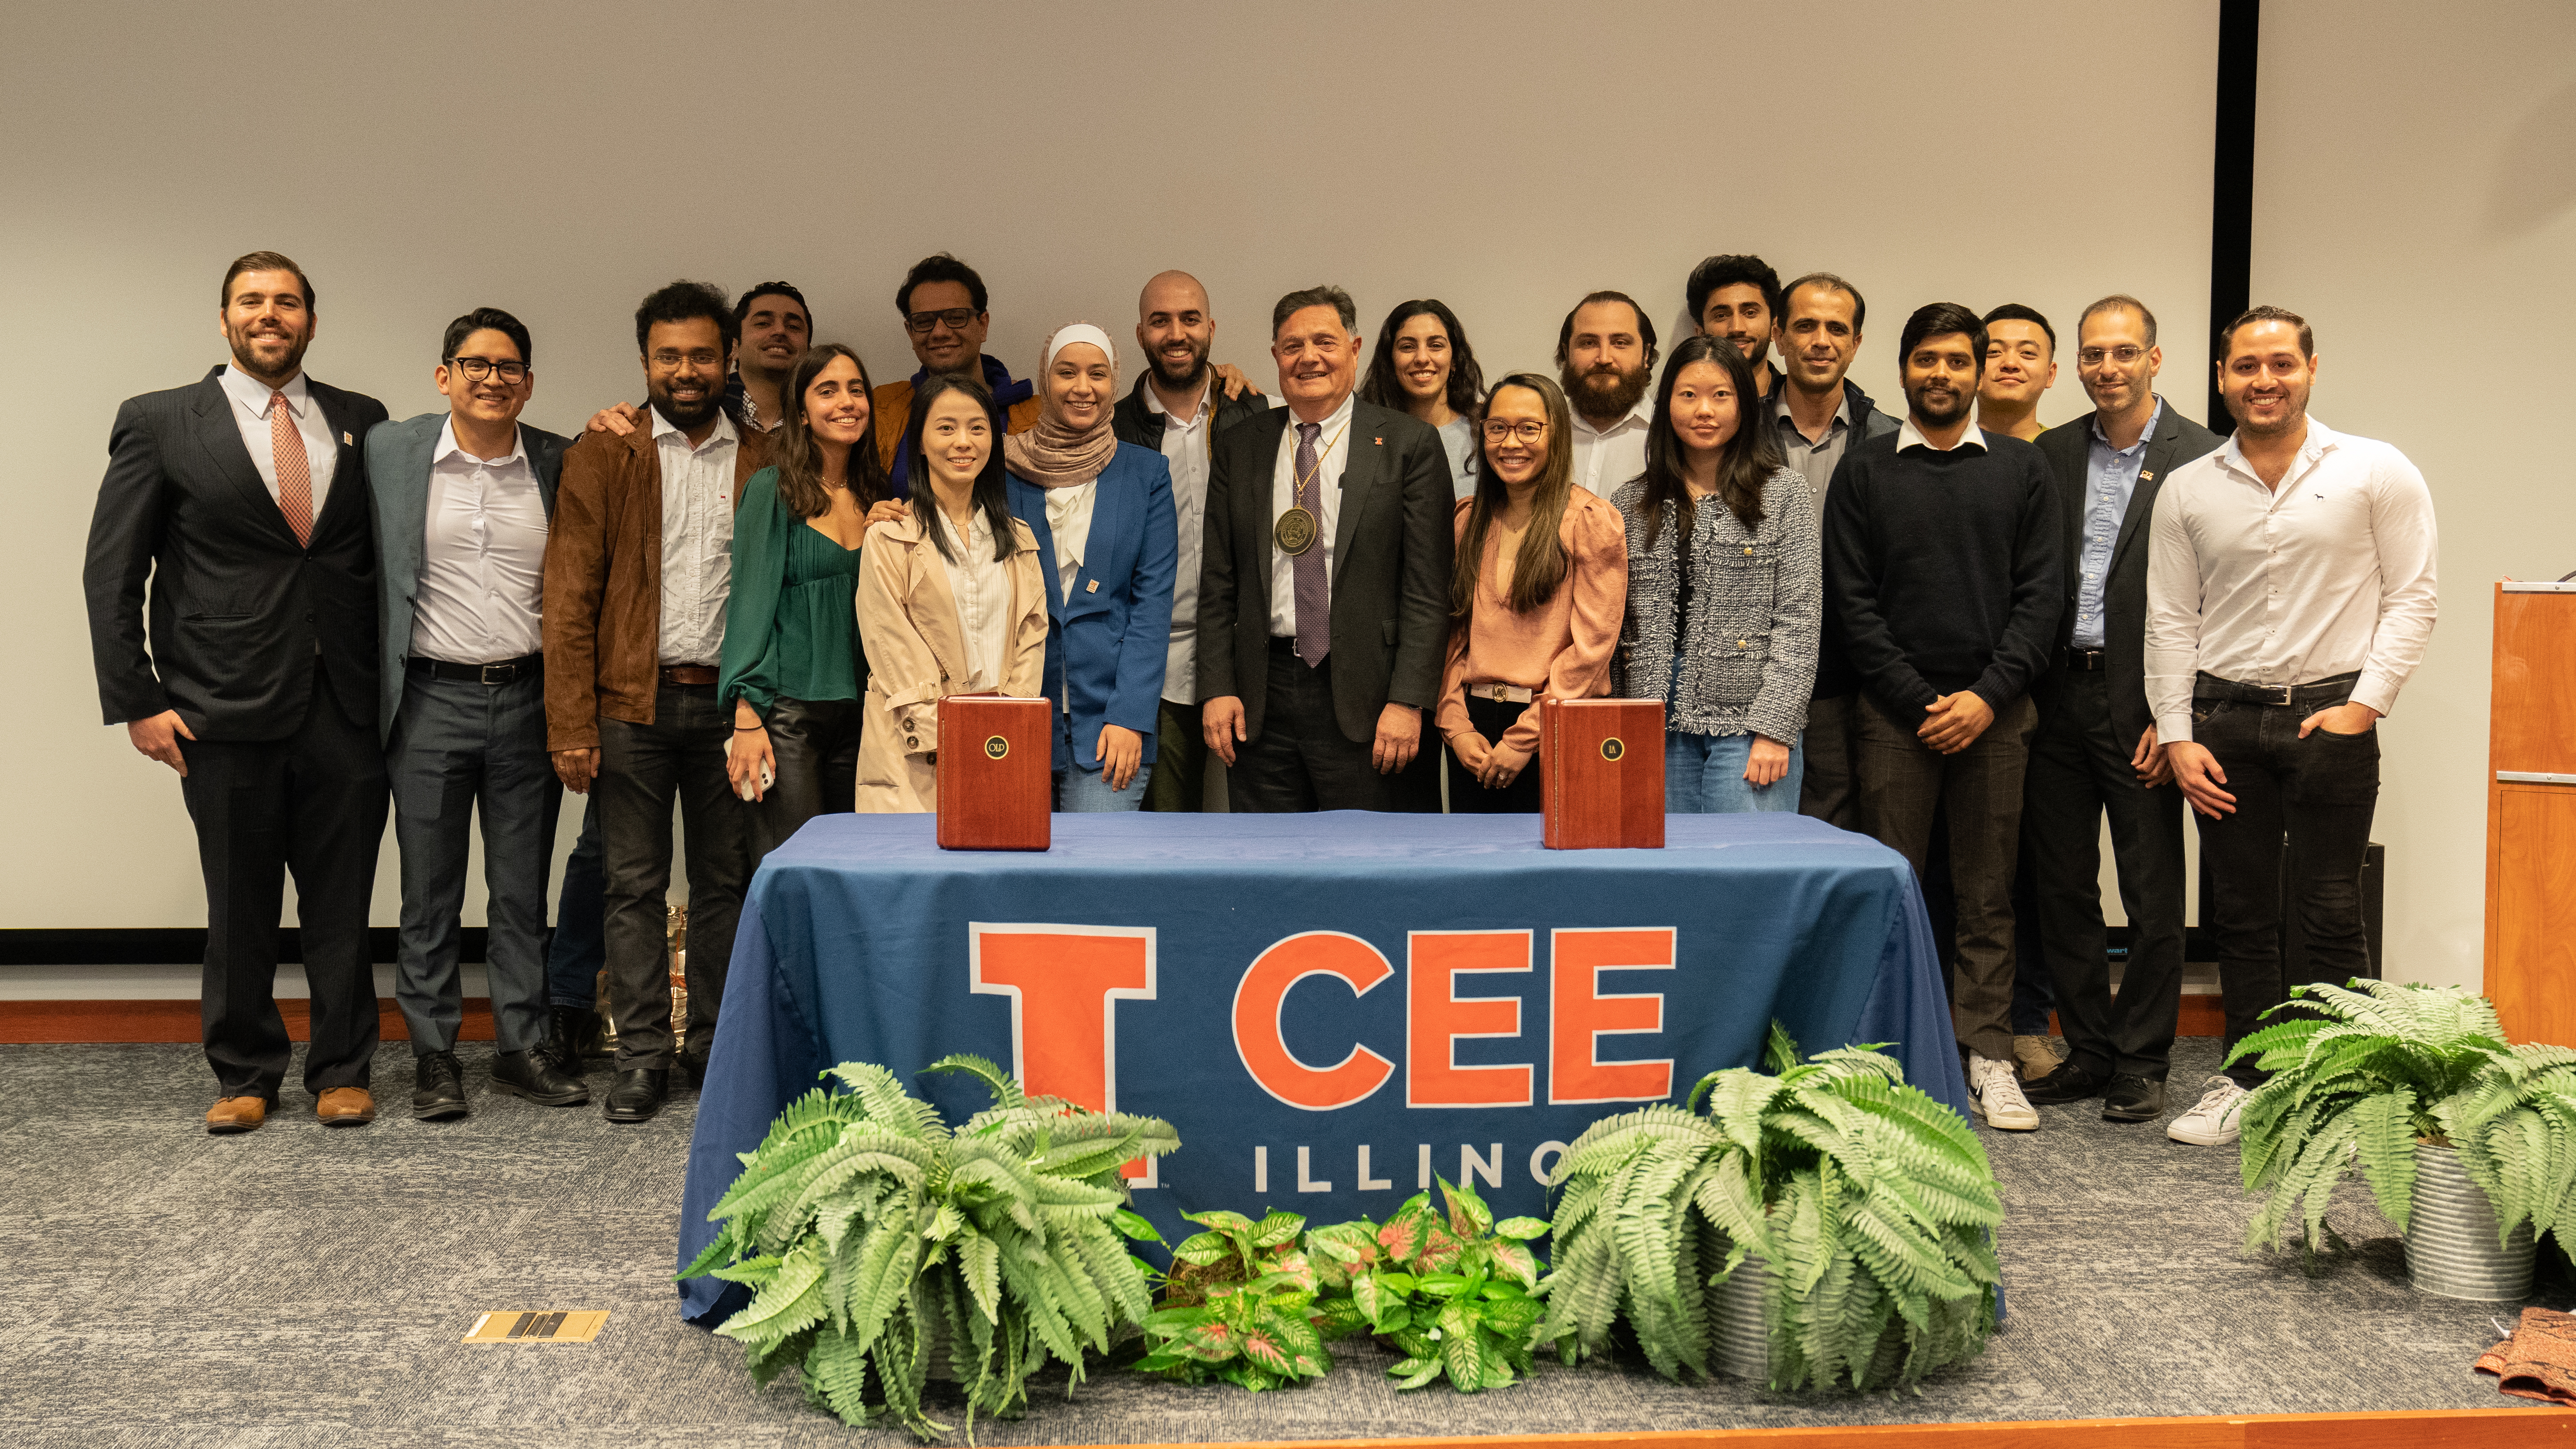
(294, 472)
(1313, 599)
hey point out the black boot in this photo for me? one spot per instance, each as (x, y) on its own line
(638, 1093)
(572, 1036)
(533, 1075)
(437, 1087)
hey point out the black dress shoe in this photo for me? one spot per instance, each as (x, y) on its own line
(533, 1075)
(637, 1094)
(2069, 1083)
(437, 1087)
(2133, 1099)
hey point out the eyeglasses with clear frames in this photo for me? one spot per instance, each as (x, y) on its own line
(1497, 430)
(478, 368)
(919, 324)
(2125, 354)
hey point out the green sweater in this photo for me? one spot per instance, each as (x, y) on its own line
(791, 621)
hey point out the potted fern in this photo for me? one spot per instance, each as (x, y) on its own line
(1841, 1216)
(2513, 1133)
(2366, 1076)
(877, 1238)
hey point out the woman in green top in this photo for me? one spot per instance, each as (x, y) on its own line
(793, 669)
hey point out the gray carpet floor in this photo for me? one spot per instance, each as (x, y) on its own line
(306, 1286)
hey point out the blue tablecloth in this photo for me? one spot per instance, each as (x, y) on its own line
(1140, 951)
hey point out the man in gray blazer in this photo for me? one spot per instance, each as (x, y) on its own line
(2096, 749)
(462, 503)
(1324, 580)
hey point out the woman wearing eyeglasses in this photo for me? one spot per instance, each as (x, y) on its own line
(1534, 600)
(793, 670)
(1424, 366)
(1725, 589)
(949, 598)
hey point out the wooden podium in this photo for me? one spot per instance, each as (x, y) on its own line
(1601, 773)
(2531, 814)
(996, 772)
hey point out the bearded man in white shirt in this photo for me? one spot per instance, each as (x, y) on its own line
(1606, 356)
(2289, 595)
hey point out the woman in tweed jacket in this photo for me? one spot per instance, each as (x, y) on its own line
(1725, 589)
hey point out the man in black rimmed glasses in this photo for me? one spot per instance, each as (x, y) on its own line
(942, 301)
(462, 503)
(2096, 752)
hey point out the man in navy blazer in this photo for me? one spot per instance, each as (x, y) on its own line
(1109, 631)
(240, 503)
(463, 499)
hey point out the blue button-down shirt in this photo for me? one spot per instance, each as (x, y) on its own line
(2110, 476)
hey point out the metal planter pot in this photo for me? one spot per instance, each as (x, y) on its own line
(1742, 1338)
(2451, 1248)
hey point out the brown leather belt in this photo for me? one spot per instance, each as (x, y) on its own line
(688, 674)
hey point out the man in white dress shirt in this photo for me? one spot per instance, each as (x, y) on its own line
(2289, 595)
(1606, 354)
(462, 499)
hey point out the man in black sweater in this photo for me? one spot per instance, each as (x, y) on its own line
(1943, 567)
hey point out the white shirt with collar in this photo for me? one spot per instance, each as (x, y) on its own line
(1185, 446)
(1324, 499)
(1604, 458)
(483, 556)
(250, 399)
(1910, 436)
(1068, 514)
(981, 585)
(697, 538)
(2330, 573)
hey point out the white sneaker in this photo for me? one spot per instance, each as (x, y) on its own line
(2213, 1122)
(1996, 1089)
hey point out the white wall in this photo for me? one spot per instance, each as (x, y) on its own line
(2415, 200)
(561, 160)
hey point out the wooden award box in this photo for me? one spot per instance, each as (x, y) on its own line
(994, 772)
(1601, 773)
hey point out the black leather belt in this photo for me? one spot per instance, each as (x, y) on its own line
(505, 671)
(2311, 695)
(2084, 661)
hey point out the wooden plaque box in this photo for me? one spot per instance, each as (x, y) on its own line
(1601, 773)
(994, 772)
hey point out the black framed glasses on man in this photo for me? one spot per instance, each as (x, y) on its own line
(476, 369)
(920, 324)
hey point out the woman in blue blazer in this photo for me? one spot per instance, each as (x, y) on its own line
(1108, 547)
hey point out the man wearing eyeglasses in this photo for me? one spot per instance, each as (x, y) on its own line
(2096, 751)
(462, 499)
(942, 301)
(638, 570)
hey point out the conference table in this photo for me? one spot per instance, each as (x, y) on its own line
(1334, 1010)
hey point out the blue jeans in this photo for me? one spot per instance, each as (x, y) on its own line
(1704, 775)
(1081, 792)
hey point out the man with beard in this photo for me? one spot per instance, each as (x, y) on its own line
(1324, 580)
(1818, 415)
(2289, 596)
(242, 502)
(1174, 410)
(2021, 365)
(1942, 565)
(771, 327)
(2096, 751)
(1739, 298)
(942, 302)
(638, 569)
(1606, 354)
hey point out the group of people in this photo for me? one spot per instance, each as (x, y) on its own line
(1947, 627)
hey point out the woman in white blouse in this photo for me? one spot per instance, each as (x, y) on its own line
(950, 599)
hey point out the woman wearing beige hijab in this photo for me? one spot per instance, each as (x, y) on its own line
(950, 600)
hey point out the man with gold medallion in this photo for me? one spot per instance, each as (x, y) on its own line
(1324, 588)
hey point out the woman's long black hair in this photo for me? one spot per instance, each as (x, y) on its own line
(1466, 379)
(1745, 461)
(992, 488)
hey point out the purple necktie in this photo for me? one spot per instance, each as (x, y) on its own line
(1314, 599)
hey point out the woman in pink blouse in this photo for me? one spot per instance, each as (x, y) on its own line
(1535, 599)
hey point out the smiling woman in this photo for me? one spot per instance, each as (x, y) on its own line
(1424, 366)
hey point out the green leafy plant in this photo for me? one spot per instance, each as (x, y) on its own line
(1869, 1203)
(2354, 1073)
(1238, 1306)
(1454, 1291)
(875, 1236)
(2515, 1129)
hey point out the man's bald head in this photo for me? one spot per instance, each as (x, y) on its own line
(1175, 328)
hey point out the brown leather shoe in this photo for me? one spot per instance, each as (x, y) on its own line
(345, 1107)
(236, 1114)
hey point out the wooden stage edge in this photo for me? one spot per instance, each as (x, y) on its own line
(2535, 1427)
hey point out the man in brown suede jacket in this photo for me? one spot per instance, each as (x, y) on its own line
(638, 570)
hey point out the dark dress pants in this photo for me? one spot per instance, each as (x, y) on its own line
(578, 949)
(1179, 781)
(1827, 769)
(2318, 793)
(1301, 760)
(817, 745)
(2079, 772)
(644, 768)
(1492, 718)
(1901, 783)
(458, 746)
(313, 805)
